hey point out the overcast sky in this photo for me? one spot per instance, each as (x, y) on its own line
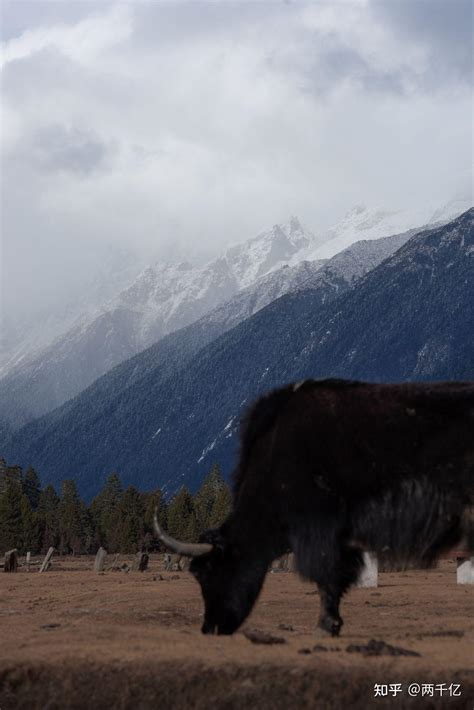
(181, 127)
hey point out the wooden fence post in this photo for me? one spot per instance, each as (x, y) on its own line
(11, 561)
(115, 564)
(140, 563)
(99, 562)
(47, 560)
(291, 562)
(28, 560)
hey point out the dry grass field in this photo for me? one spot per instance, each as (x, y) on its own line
(74, 639)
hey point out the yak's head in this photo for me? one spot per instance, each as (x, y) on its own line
(230, 581)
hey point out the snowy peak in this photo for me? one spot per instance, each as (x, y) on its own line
(369, 223)
(173, 295)
(268, 251)
(159, 283)
(451, 209)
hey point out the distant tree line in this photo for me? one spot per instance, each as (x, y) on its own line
(33, 518)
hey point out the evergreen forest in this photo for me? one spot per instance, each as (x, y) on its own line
(33, 518)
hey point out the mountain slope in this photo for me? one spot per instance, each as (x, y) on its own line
(94, 347)
(409, 318)
(175, 352)
(162, 299)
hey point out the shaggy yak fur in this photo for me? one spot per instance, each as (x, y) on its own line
(329, 468)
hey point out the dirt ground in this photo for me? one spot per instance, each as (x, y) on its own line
(74, 639)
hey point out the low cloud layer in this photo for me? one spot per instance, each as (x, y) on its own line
(177, 128)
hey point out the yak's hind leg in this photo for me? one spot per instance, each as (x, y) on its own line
(323, 557)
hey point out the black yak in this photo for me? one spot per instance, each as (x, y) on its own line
(329, 468)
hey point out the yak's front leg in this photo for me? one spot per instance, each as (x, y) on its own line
(323, 555)
(333, 566)
(329, 618)
(333, 581)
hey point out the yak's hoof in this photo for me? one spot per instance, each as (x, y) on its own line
(331, 625)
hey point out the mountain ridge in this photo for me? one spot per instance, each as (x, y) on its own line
(132, 321)
(169, 432)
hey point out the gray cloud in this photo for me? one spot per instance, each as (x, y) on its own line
(338, 64)
(178, 128)
(57, 147)
(444, 28)
(18, 17)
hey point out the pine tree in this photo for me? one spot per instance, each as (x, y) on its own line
(192, 530)
(221, 508)
(48, 518)
(71, 520)
(179, 512)
(106, 515)
(31, 530)
(132, 529)
(32, 487)
(89, 531)
(212, 501)
(11, 526)
(204, 498)
(9, 473)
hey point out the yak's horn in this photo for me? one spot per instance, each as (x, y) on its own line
(187, 549)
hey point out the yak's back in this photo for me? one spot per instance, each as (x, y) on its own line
(372, 416)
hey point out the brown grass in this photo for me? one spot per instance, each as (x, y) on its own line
(73, 639)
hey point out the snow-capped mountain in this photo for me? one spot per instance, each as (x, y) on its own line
(409, 318)
(452, 209)
(160, 300)
(164, 298)
(329, 278)
(363, 222)
(269, 250)
(64, 368)
(167, 297)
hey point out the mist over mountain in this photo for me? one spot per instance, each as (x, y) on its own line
(408, 318)
(160, 300)
(362, 222)
(38, 386)
(52, 356)
(22, 338)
